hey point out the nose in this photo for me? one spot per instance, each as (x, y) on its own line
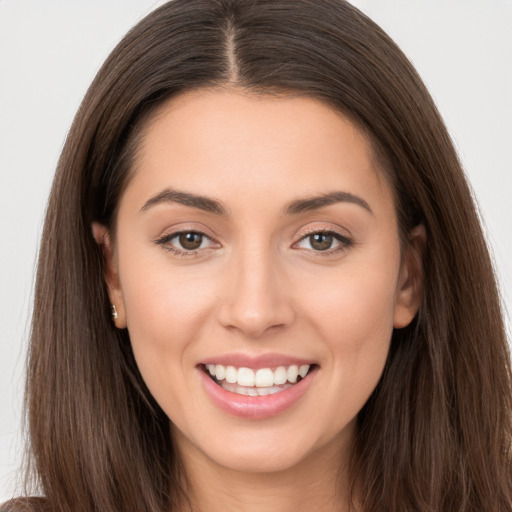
(255, 298)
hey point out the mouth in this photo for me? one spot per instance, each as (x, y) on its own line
(257, 382)
(257, 388)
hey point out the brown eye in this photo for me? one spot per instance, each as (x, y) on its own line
(329, 242)
(187, 243)
(190, 241)
(321, 241)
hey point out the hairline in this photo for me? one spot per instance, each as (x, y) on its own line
(149, 115)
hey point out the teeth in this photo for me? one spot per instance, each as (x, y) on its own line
(242, 390)
(280, 375)
(246, 377)
(220, 372)
(231, 374)
(293, 373)
(303, 370)
(262, 379)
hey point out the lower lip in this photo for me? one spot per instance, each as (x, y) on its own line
(255, 407)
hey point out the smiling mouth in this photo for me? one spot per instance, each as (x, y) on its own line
(260, 382)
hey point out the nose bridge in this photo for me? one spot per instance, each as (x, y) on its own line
(256, 300)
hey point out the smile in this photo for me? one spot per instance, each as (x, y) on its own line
(258, 392)
(260, 382)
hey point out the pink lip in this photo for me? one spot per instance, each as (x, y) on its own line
(254, 361)
(254, 407)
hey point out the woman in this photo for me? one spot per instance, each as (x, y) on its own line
(262, 282)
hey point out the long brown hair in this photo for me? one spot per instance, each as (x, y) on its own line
(435, 434)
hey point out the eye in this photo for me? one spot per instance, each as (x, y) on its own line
(324, 241)
(189, 241)
(185, 243)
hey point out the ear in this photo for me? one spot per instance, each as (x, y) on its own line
(111, 274)
(410, 283)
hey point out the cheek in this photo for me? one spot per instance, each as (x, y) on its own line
(166, 314)
(354, 305)
(160, 297)
(352, 314)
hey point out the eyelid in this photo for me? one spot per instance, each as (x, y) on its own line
(187, 227)
(164, 240)
(345, 240)
(323, 228)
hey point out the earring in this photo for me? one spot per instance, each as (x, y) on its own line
(114, 311)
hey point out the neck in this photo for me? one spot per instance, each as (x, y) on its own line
(319, 483)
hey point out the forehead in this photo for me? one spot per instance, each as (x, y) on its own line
(230, 144)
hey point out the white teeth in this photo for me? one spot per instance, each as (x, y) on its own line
(241, 390)
(280, 376)
(231, 374)
(263, 378)
(303, 370)
(246, 377)
(293, 372)
(220, 372)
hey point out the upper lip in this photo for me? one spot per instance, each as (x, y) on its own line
(245, 360)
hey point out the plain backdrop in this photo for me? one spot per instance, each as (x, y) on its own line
(50, 51)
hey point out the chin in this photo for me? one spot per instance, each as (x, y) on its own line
(271, 448)
(271, 459)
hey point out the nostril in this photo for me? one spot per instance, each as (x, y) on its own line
(256, 311)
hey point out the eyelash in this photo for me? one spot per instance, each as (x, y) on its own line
(344, 242)
(166, 239)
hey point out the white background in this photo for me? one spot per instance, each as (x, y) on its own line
(51, 49)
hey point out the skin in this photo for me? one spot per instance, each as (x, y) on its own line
(258, 284)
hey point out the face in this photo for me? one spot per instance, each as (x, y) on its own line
(257, 267)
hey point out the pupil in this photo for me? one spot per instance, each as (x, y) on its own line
(321, 241)
(190, 241)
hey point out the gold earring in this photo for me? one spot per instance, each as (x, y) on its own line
(114, 311)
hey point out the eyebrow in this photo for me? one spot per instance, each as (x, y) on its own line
(324, 200)
(194, 201)
(293, 208)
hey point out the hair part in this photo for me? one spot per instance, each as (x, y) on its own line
(435, 434)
